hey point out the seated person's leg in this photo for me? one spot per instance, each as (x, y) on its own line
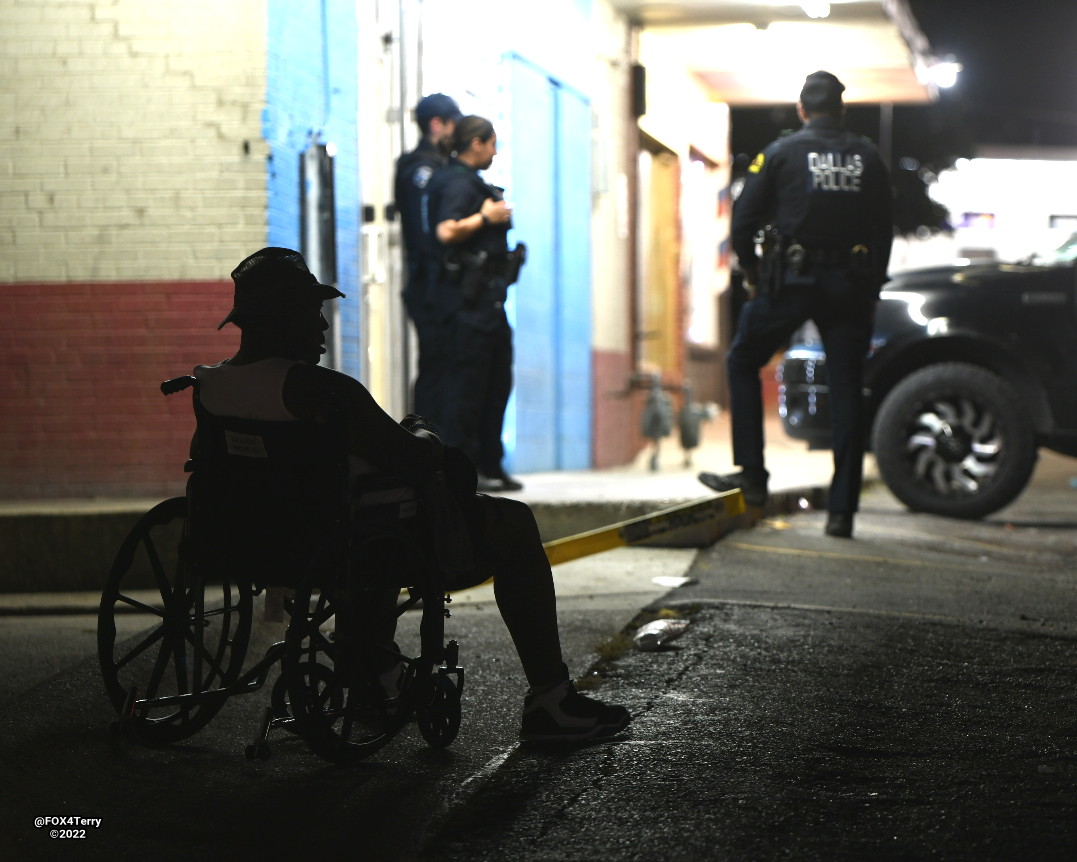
(509, 549)
(366, 619)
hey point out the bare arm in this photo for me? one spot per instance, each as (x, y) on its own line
(374, 435)
(457, 230)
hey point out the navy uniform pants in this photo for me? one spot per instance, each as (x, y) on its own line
(843, 311)
(476, 387)
(430, 332)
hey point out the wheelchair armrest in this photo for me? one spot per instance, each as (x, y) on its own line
(178, 384)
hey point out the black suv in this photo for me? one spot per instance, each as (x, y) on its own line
(971, 369)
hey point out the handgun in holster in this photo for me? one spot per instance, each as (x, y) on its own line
(861, 264)
(514, 262)
(772, 265)
(474, 275)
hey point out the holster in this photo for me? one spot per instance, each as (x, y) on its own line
(474, 275)
(772, 265)
(481, 270)
(514, 262)
(861, 265)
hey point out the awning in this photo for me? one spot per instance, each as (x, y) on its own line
(757, 52)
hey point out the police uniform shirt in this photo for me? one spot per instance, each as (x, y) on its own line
(457, 192)
(824, 187)
(414, 170)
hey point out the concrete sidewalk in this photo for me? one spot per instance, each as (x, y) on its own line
(64, 548)
(789, 461)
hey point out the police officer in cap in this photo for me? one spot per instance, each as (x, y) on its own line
(822, 197)
(468, 221)
(436, 116)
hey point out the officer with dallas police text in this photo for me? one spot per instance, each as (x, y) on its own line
(436, 116)
(822, 198)
(467, 221)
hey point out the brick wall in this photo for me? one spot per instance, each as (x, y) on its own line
(136, 173)
(618, 437)
(135, 151)
(79, 377)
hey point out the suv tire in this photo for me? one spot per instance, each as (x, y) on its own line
(954, 439)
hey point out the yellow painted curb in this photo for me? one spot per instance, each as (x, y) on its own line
(722, 507)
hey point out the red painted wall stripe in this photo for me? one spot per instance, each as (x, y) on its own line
(81, 414)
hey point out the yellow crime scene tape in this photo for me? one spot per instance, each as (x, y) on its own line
(723, 507)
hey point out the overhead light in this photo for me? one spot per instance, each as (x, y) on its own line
(942, 73)
(945, 74)
(815, 9)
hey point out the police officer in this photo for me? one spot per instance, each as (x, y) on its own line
(825, 194)
(436, 116)
(467, 222)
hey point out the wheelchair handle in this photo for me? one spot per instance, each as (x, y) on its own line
(177, 384)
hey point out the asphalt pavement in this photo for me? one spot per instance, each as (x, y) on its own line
(909, 694)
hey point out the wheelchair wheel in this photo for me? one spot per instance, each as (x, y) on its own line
(340, 724)
(439, 718)
(196, 637)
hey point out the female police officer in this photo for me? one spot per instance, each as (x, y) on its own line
(467, 222)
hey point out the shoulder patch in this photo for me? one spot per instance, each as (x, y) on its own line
(422, 176)
(757, 164)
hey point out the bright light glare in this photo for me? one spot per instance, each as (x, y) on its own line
(944, 73)
(816, 9)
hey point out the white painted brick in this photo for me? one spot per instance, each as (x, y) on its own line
(69, 13)
(69, 47)
(42, 268)
(21, 13)
(20, 185)
(62, 202)
(61, 183)
(123, 152)
(22, 221)
(97, 46)
(41, 99)
(33, 31)
(65, 220)
(22, 49)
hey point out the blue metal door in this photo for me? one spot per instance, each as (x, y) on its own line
(548, 424)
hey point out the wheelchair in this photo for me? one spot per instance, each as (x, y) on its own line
(270, 508)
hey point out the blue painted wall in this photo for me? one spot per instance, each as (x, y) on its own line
(312, 94)
(548, 426)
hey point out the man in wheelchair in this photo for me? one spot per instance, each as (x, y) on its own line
(275, 376)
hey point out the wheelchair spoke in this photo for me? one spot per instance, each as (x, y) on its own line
(179, 664)
(135, 603)
(196, 627)
(176, 698)
(217, 612)
(209, 661)
(159, 575)
(159, 668)
(142, 646)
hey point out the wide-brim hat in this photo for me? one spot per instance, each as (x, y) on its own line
(273, 281)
